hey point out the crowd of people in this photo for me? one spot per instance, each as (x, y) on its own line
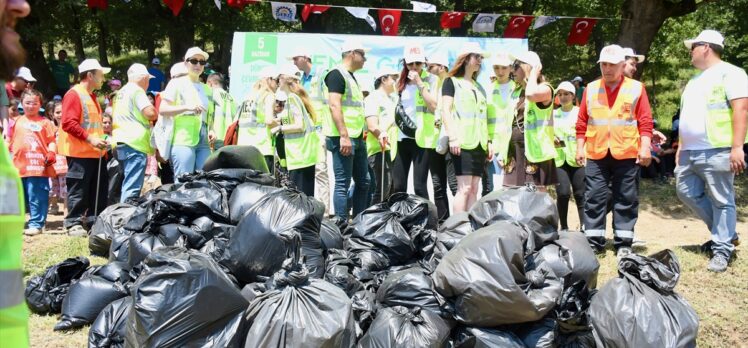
(430, 120)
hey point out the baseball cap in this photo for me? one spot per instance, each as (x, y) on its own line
(289, 70)
(299, 52)
(178, 69)
(136, 70)
(413, 52)
(156, 61)
(472, 47)
(57, 97)
(267, 72)
(92, 64)
(577, 79)
(195, 51)
(612, 54)
(352, 45)
(629, 52)
(566, 86)
(708, 36)
(25, 74)
(501, 59)
(281, 96)
(114, 82)
(528, 57)
(439, 58)
(385, 71)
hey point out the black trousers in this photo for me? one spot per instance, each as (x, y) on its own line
(81, 181)
(270, 161)
(379, 193)
(409, 153)
(623, 175)
(569, 178)
(303, 178)
(451, 177)
(438, 169)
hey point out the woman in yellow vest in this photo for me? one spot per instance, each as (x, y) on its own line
(255, 116)
(464, 113)
(532, 127)
(570, 174)
(500, 115)
(419, 102)
(191, 104)
(379, 108)
(297, 120)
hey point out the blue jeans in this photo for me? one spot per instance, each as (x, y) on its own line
(187, 159)
(133, 162)
(36, 194)
(704, 183)
(356, 167)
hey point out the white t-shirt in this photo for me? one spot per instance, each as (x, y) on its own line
(374, 101)
(692, 129)
(408, 98)
(189, 92)
(565, 122)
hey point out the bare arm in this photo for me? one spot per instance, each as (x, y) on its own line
(739, 128)
(537, 93)
(429, 97)
(168, 108)
(336, 110)
(150, 113)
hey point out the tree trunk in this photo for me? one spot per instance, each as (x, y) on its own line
(35, 59)
(77, 36)
(102, 40)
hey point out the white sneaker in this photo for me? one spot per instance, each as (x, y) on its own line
(77, 231)
(33, 231)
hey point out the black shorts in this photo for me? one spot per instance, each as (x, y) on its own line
(470, 162)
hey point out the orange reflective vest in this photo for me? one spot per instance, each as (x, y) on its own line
(91, 121)
(615, 127)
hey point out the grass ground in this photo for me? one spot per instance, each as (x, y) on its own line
(721, 300)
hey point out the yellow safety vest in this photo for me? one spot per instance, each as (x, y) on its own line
(225, 102)
(352, 105)
(568, 133)
(383, 112)
(187, 125)
(301, 148)
(500, 116)
(539, 132)
(252, 129)
(427, 134)
(470, 112)
(129, 126)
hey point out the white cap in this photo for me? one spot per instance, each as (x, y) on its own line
(281, 96)
(25, 74)
(566, 86)
(577, 79)
(156, 61)
(299, 52)
(472, 47)
(92, 64)
(289, 70)
(501, 59)
(384, 71)
(413, 52)
(439, 58)
(268, 72)
(629, 52)
(708, 36)
(352, 45)
(137, 70)
(528, 57)
(612, 54)
(178, 69)
(195, 51)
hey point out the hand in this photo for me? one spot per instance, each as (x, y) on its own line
(197, 109)
(415, 77)
(454, 146)
(274, 122)
(644, 158)
(737, 160)
(211, 136)
(346, 147)
(490, 153)
(384, 141)
(275, 130)
(51, 158)
(537, 69)
(658, 137)
(580, 158)
(98, 142)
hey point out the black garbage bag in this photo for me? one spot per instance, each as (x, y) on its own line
(414, 211)
(583, 262)
(537, 210)
(108, 330)
(449, 234)
(330, 235)
(299, 311)
(245, 196)
(225, 179)
(378, 239)
(109, 223)
(405, 327)
(411, 288)
(339, 270)
(119, 250)
(641, 308)
(190, 201)
(258, 245)
(424, 240)
(95, 289)
(488, 283)
(364, 310)
(204, 229)
(142, 244)
(45, 294)
(540, 334)
(236, 156)
(574, 329)
(184, 299)
(116, 174)
(475, 337)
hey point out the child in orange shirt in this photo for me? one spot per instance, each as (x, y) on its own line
(58, 193)
(34, 154)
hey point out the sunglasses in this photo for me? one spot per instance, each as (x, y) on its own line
(414, 63)
(516, 65)
(194, 61)
(697, 44)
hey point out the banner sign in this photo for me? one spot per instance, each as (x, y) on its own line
(251, 52)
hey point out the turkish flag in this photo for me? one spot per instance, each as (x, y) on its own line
(97, 4)
(389, 21)
(580, 31)
(452, 20)
(240, 4)
(517, 27)
(310, 8)
(174, 5)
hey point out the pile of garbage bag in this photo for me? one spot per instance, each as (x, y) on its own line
(225, 259)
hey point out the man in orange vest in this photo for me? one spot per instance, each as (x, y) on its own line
(82, 141)
(614, 131)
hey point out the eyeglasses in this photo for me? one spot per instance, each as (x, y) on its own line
(194, 61)
(697, 44)
(414, 63)
(516, 65)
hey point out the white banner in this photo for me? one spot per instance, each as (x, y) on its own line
(284, 11)
(363, 13)
(485, 22)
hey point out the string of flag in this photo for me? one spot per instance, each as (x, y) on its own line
(389, 19)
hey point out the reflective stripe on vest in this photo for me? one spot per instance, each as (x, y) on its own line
(500, 116)
(252, 128)
(426, 132)
(566, 132)
(90, 120)
(719, 129)
(470, 110)
(612, 128)
(352, 105)
(538, 123)
(301, 148)
(129, 126)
